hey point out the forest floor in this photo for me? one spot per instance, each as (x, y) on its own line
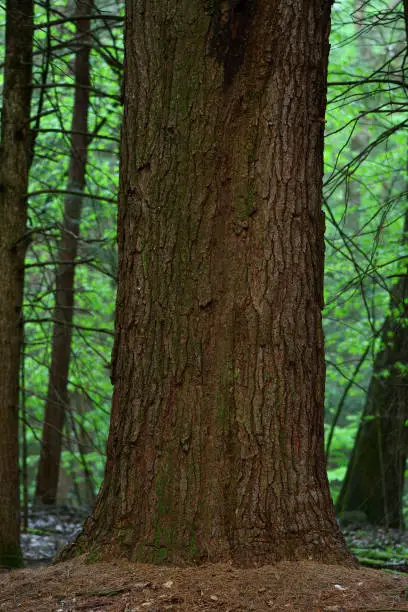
(124, 587)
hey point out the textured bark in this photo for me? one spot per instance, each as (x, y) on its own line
(14, 165)
(374, 481)
(215, 448)
(57, 396)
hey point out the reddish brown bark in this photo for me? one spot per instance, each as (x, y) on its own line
(57, 396)
(215, 448)
(14, 165)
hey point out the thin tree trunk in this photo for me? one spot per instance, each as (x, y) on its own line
(374, 481)
(215, 448)
(14, 165)
(57, 397)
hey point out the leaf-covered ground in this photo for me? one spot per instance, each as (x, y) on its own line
(121, 586)
(124, 587)
(378, 547)
(48, 531)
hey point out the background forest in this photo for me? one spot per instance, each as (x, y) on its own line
(365, 196)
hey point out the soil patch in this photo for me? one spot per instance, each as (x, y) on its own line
(128, 587)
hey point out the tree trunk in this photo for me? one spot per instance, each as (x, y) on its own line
(215, 448)
(57, 397)
(14, 165)
(374, 480)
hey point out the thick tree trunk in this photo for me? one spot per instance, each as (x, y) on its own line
(14, 165)
(57, 396)
(216, 443)
(374, 480)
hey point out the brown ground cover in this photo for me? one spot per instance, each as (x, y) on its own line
(125, 587)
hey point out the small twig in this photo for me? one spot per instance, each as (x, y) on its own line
(104, 592)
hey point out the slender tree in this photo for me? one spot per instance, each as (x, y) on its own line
(215, 448)
(374, 481)
(57, 396)
(14, 165)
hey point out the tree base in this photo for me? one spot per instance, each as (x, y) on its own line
(12, 559)
(330, 549)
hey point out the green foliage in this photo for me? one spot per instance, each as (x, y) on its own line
(365, 200)
(95, 278)
(365, 188)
